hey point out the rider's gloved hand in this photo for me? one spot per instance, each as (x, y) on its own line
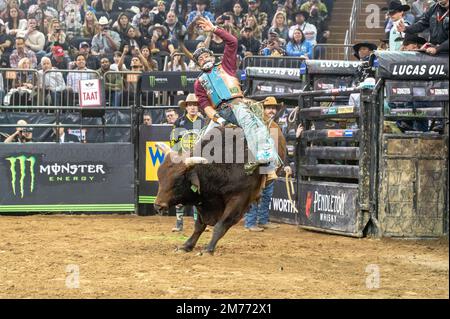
(220, 120)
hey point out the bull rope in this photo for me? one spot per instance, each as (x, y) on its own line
(290, 186)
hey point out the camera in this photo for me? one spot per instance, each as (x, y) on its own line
(57, 30)
(225, 17)
(27, 130)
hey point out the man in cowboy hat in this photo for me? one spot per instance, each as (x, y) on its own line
(159, 39)
(309, 30)
(220, 95)
(436, 19)
(257, 218)
(363, 50)
(185, 134)
(105, 41)
(411, 42)
(396, 12)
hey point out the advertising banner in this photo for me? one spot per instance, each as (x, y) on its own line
(168, 81)
(281, 209)
(329, 206)
(66, 177)
(150, 159)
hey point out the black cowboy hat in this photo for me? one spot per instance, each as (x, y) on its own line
(302, 12)
(397, 6)
(412, 39)
(357, 46)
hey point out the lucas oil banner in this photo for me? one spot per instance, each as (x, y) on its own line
(150, 158)
(66, 177)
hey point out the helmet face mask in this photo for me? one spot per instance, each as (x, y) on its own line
(207, 62)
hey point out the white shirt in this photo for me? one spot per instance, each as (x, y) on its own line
(309, 30)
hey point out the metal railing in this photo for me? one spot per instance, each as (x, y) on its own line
(19, 87)
(352, 29)
(272, 62)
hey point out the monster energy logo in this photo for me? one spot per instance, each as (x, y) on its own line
(183, 80)
(23, 160)
(152, 80)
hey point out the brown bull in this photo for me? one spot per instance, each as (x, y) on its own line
(221, 192)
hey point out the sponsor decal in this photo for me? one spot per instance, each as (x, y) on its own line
(279, 71)
(439, 92)
(401, 91)
(348, 133)
(282, 205)
(325, 86)
(426, 70)
(184, 81)
(152, 80)
(338, 64)
(329, 207)
(153, 159)
(26, 170)
(308, 204)
(335, 133)
(345, 109)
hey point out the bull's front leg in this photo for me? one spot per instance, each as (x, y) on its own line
(233, 212)
(199, 228)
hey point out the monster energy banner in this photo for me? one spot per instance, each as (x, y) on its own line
(282, 209)
(411, 66)
(66, 177)
(168, 81)
(332, 67)
(150, 158)
(329, 206)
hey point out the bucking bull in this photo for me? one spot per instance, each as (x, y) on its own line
(222, 192)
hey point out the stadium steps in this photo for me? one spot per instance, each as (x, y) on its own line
(339, 22)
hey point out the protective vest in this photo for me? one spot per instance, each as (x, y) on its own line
(220, 86)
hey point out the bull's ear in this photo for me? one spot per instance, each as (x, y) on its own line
(195, 182)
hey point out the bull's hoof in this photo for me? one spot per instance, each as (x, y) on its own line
(183, 249)
(205, 253)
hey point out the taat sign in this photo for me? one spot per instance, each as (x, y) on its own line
(91, 98)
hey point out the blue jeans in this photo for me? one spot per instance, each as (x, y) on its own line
(259, 213)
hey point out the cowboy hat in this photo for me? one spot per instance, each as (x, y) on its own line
(157, 26)
(271, 101)
(190, 98)
(412, 39)
(103, 21)
(370, 46)
(397, 6)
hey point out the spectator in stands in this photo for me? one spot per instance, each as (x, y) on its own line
(147, 54)
(53, 83)
(115, 65)
(436, 19)
(363, 50)
(55, 36)
(201, 11)
(73, 78)
(273, 46)
(251, 22)
(257, 218)
(143, 26)
(171, 116)
(250, 44)
(177, 63)
(63, 136)
(226, 21)
(12, 4)
(132, 39)
(13, 23)
(6, 42)
(254, 9)
(323, 11)
(40, 11)
(92, 61)
(279, 24)
(35, 40)
(396, 11)
(147, 119)
(22, 134)
(418, 8)
(174, 27)
(23, 89)
(58, 58)
(298, 46)
(160, 41)
(121, 25)
(90, 25)
(309, 30)
(216, 44)
(113, 83)
(20, 52)
(160, 13)
(105, 5)
(290, 7)
(145, 7)
(238, 14)
(411, 42)
(323, 33)
(71, 17)
(105, 41)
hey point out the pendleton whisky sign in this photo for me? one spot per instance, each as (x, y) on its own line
(66, 177)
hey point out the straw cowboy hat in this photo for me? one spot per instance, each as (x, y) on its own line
(158, 26)
(271, 101)
(190, 98)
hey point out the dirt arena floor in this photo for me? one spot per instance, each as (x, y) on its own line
(118, 256)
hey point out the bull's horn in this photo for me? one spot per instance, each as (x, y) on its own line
(163, 147)
(191, 161)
